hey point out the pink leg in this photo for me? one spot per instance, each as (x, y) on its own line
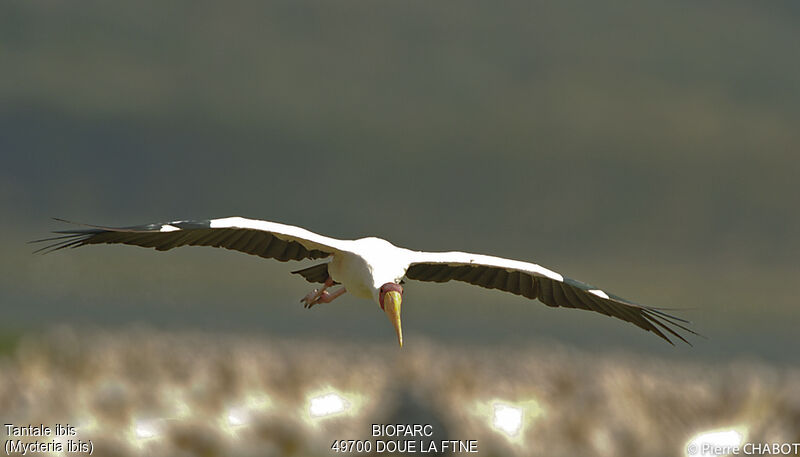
(313, 296)
(328, 297)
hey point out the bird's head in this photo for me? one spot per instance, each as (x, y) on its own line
(390, 298)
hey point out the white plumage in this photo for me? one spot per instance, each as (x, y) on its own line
(374, 268)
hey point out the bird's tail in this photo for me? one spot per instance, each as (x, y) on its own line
(317, 273)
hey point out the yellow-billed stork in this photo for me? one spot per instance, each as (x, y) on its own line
(374, 268)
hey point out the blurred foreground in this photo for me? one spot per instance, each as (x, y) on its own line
(143, 392)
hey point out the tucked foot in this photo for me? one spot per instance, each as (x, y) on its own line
(313, 297)
(324, 296)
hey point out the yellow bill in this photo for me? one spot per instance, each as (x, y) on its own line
(391, 305)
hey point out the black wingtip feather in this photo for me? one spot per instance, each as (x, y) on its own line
(62, 242)
(663, 314)
(670, 330)
(50, 239)
(653, 315)
(670, 320)
(67, 238)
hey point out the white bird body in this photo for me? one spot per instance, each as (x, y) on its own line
(362, 266)
(374, 268)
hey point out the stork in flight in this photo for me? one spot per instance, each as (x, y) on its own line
(373, 268)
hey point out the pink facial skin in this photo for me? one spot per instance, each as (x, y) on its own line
(389, 286)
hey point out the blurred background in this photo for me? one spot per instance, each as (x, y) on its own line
(650, 149)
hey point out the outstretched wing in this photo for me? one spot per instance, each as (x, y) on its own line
(534, 281)
(262, 238)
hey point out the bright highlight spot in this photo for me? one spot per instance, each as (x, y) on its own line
(327, 405)
(144, 432)
(716, 442)
(144, 429)
(243, 413)
(238, 416)
(329, 402)
(507, 419)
